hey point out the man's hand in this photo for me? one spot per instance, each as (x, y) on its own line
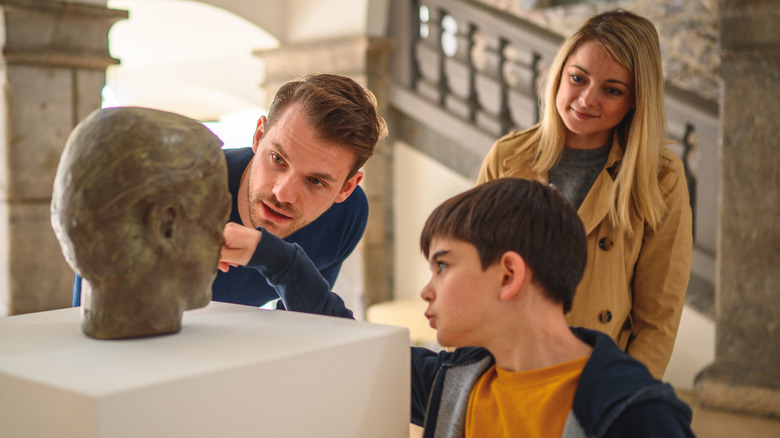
(240, 245)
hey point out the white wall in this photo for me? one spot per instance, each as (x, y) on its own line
(694, 349)
(186, 57)
(311, 20)
(293, 21)
(419, 185)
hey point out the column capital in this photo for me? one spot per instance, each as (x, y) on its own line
(57, 34)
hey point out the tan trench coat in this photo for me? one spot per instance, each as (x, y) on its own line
(633, 288)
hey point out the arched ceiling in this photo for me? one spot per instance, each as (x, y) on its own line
(300, 20)
(195, 57)
(186, 57)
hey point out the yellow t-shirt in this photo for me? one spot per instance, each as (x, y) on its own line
(532, 403)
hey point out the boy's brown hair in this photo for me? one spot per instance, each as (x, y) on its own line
(513, 214)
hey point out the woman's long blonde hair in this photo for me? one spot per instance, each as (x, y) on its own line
(632, 41)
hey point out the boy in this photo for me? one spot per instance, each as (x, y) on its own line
(506, 258)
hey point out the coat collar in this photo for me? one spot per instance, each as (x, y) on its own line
(594, 208)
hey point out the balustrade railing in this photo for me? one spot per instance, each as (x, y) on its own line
(485, 71)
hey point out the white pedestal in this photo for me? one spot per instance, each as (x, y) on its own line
(233, 371)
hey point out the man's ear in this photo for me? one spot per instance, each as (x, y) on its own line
(514, 271)
(262, 124)
(349, 187)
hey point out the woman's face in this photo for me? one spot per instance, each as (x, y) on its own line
(594, 95)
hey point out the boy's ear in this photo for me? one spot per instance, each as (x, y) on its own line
(514, 270)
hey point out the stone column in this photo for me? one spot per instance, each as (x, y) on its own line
(746, 373)
(52, 74)
(364, 59)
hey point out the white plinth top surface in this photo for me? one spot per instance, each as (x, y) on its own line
(257, 350)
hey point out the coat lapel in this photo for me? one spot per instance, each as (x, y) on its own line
(594, 208)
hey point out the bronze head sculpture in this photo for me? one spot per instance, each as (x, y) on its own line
(139, 202)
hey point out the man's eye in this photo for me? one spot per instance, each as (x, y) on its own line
(441, 266)
(317, 182)
(277, 159)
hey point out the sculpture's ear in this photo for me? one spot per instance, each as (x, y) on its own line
(161, 222)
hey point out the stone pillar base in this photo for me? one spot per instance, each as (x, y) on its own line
(738, 388)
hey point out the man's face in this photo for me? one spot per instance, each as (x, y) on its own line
(459, 293)
(295, 176)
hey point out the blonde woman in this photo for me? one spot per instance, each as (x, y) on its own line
(602, 141)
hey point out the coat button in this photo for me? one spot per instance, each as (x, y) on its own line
(605, 316)
(605, 244)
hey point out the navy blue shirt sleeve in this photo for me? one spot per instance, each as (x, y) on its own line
(76, 290)
(295, 278)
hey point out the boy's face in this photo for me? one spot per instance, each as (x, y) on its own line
(460, 295)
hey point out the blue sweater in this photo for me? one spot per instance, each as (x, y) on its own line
(327, 242)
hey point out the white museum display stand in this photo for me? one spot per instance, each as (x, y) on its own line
(232, 371)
